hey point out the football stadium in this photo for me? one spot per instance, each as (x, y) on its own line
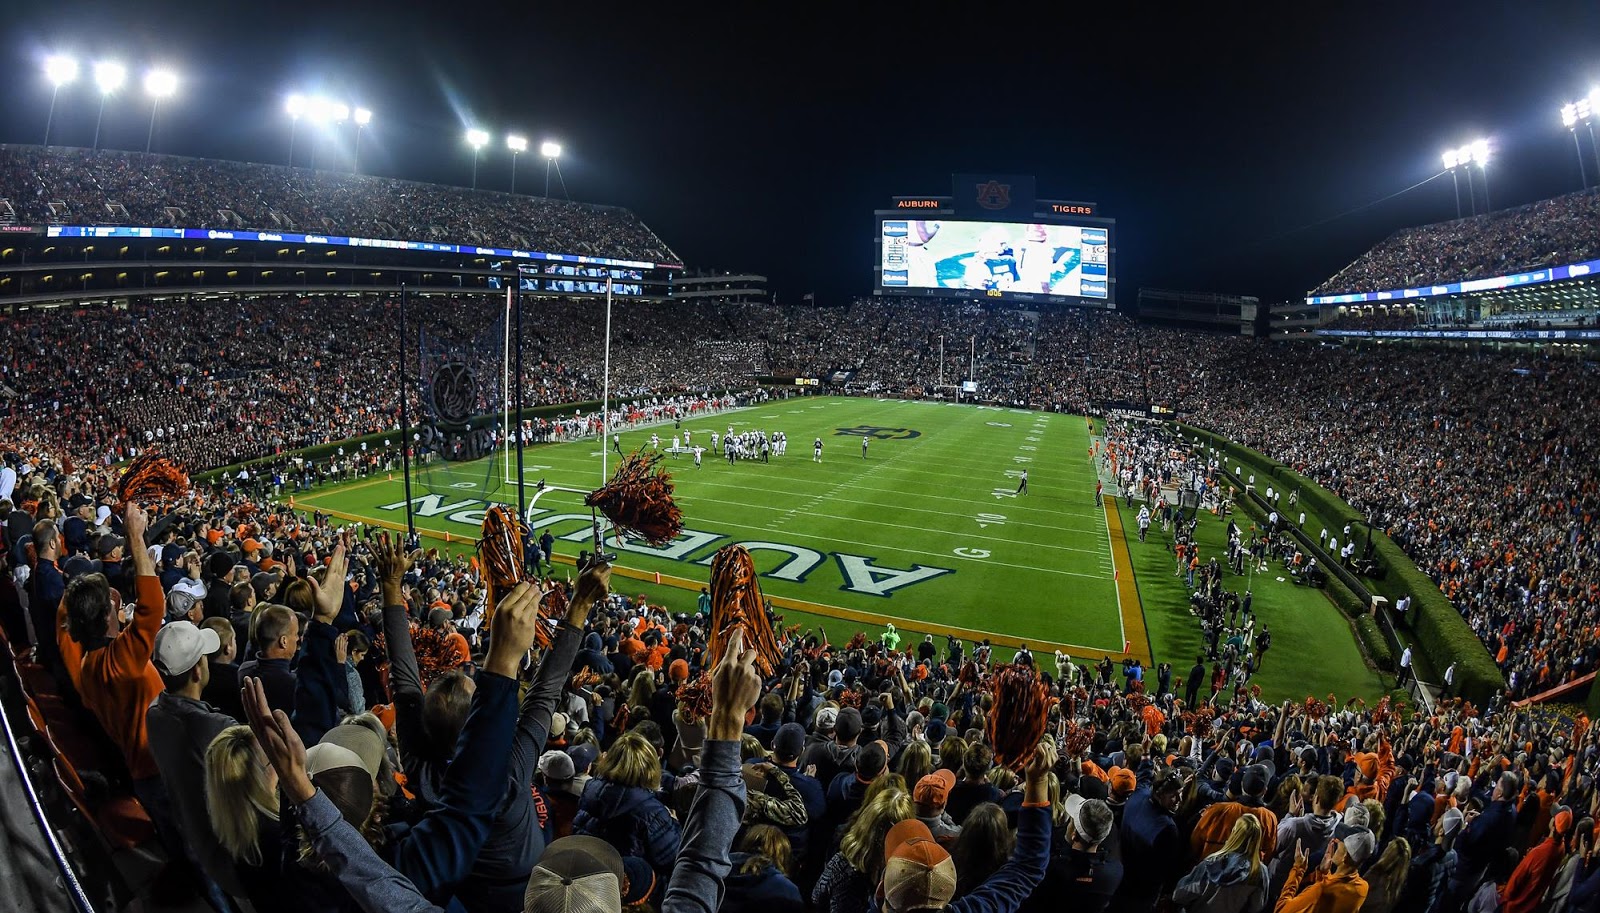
(386, 532)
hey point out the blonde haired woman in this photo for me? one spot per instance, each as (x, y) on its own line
(242, 803)
(850, 879)
(619, 805)
(1231, 880)
(1387, 876)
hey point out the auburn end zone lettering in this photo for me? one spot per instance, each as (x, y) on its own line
(859, 573)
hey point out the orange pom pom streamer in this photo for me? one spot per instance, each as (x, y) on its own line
(500, 555)
(638, 500)
(152, 478)
(736, 603)
(1021, 712)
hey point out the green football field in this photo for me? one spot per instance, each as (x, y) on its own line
(927, 528)
(927, 531)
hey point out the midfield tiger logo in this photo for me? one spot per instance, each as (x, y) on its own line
(877, 433)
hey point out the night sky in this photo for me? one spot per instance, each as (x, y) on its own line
(753, 142)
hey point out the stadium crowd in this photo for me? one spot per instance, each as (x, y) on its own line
(315, 718)
(1551, 232)
(320, 719)
(1491, 498)
(82, 187)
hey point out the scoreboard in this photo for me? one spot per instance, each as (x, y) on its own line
(992, 239)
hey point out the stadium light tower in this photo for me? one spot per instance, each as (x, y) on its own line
(1582, 112)
(294, 106)
(362, 117)
(551, 151)
(1592, 105)
(1452, 161)
(1480, 157)
(477, 139)
(158, 84)
(109, 76)
(324, 111)
(517, 145)
(60, 71)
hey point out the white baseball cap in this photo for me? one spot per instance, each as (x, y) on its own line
(180, 645)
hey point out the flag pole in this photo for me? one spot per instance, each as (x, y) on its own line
(505, 389)
(605, 396)
(522, 507)
(405, 421)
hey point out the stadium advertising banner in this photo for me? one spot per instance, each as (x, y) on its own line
(997, 259)
(212, 234)
(1515, 280)
(1508, 335)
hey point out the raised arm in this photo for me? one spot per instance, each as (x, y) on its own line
(376, 887)
(533, 722)
(1011, 884)
(703, 864)
(137, 642)
(439, 852)
(405, 681)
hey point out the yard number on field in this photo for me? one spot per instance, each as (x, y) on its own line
(985, 519)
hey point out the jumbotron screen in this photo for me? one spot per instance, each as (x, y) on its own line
(997, 257)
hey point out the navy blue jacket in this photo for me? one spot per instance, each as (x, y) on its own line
(765, 891)
(499, 877)
(1153, 854)
(631, 819)
(46, 586)
(1484, 839)
(816, 807)
(320, 685)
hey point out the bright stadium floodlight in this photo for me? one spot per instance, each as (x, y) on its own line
(296, 107)
(1452, 158)
(158, 84)
(517, 145)
(1584, 112)
(477, 139)
(1569, 115)
(362, 117)
(1480, 152)
(109, 76)
(60, 71)
(551, 151)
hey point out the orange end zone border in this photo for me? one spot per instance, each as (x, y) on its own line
(1128, 595)
(1127, 587)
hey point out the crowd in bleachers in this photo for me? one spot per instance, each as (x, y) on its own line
(1552, 232)
(1491, 496)
(60, 186)
(320, 720)
(303, 717)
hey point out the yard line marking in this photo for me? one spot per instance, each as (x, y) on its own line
(918, 529)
